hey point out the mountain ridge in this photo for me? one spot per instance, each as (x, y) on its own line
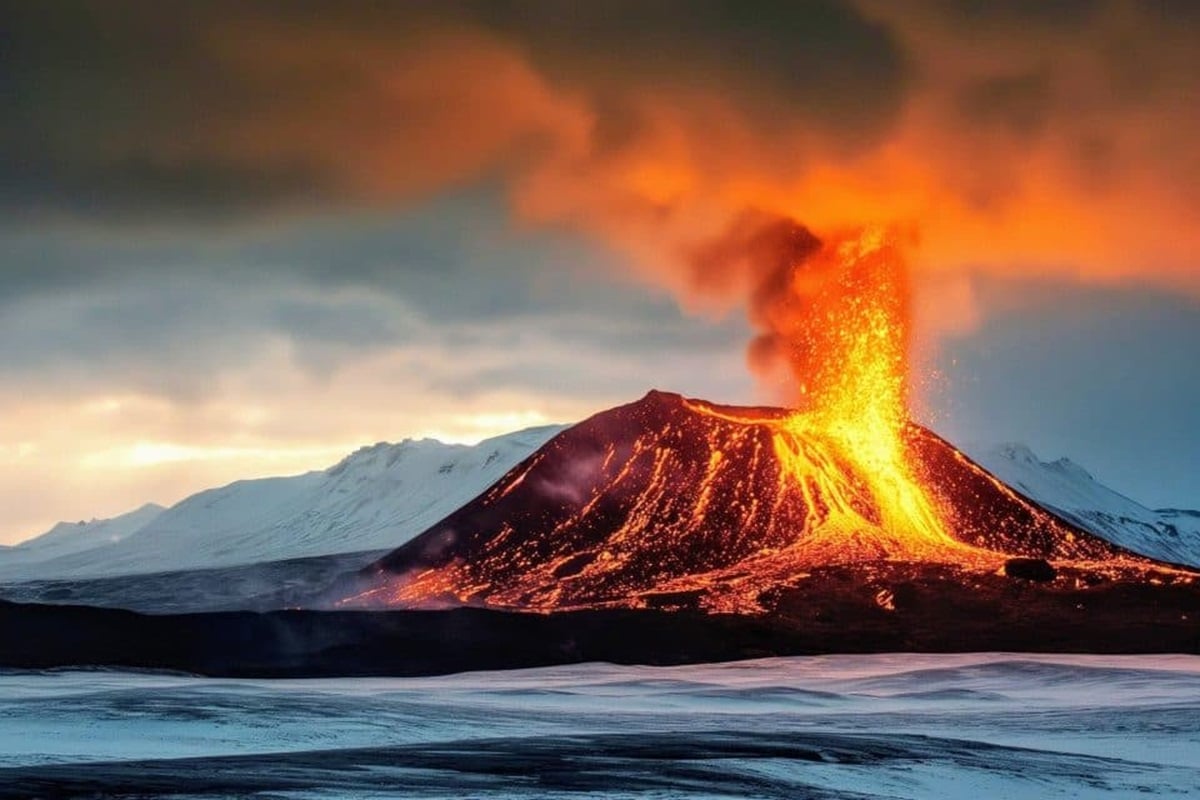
(368, 500)
(1071, 491)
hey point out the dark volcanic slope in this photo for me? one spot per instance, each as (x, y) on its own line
(669, 496)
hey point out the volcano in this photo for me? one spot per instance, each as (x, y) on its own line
(670, 501)
(675, 531)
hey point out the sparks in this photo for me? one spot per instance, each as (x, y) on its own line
(849, 326)
(670, 500)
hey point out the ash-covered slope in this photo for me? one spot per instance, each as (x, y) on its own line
(668, 497)
(373, 499)
(1071, 492)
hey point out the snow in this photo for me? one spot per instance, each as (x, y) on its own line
(893, 725)
(1069, 490)
(67, 538)
(376, 498)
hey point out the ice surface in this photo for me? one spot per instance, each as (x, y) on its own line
(898, 725)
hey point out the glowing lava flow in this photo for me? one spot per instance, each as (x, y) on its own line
(675, 501)
(845, 314)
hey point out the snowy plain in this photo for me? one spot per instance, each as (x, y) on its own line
(895, 726)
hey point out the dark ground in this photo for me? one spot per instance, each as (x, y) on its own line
(835, 610)
(260, 587)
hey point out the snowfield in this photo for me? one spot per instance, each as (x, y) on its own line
(885, 726)
(69, 538)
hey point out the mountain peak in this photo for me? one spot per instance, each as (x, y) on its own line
(1020, 453)
(1017, 451)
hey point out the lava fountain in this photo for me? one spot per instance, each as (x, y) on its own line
(840, 321)
(673, 500)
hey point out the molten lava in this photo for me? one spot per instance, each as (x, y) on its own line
(669, 501)
(843, 320)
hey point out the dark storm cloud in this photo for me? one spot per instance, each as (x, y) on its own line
(1018, 104)
(169, 314)
(1063, 14)
(818, 60)
(424, 252)
(142, 109)
(593, 114)
(107, 106)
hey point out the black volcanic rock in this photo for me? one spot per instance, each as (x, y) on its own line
(1030, 569)
(677, 501)
(938, 608)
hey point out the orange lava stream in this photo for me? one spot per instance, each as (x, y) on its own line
(849, 316)
(727, 503)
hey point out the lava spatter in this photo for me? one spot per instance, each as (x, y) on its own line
(669, 496)
(719, 506)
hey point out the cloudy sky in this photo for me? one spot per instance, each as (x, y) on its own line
(243, 238)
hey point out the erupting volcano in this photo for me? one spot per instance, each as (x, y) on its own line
(673, 530)
(676, 502)
(669, 500)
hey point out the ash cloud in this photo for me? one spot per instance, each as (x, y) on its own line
(1019, 137)
(1023, 140)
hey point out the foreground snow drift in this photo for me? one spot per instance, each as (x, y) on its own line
(895, 726)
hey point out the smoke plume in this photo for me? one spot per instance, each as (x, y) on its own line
(714, 146)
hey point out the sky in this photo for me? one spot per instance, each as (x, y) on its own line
(244, 238)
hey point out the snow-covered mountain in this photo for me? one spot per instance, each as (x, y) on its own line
(67, 538)
(376, 498)
(1069, 490)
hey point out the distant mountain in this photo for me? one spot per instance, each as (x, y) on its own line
(68, 538)
(1070, 491)
(376, 498)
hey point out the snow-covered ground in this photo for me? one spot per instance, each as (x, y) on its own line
(896, 726)
(376, 498)
(1069, 490)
